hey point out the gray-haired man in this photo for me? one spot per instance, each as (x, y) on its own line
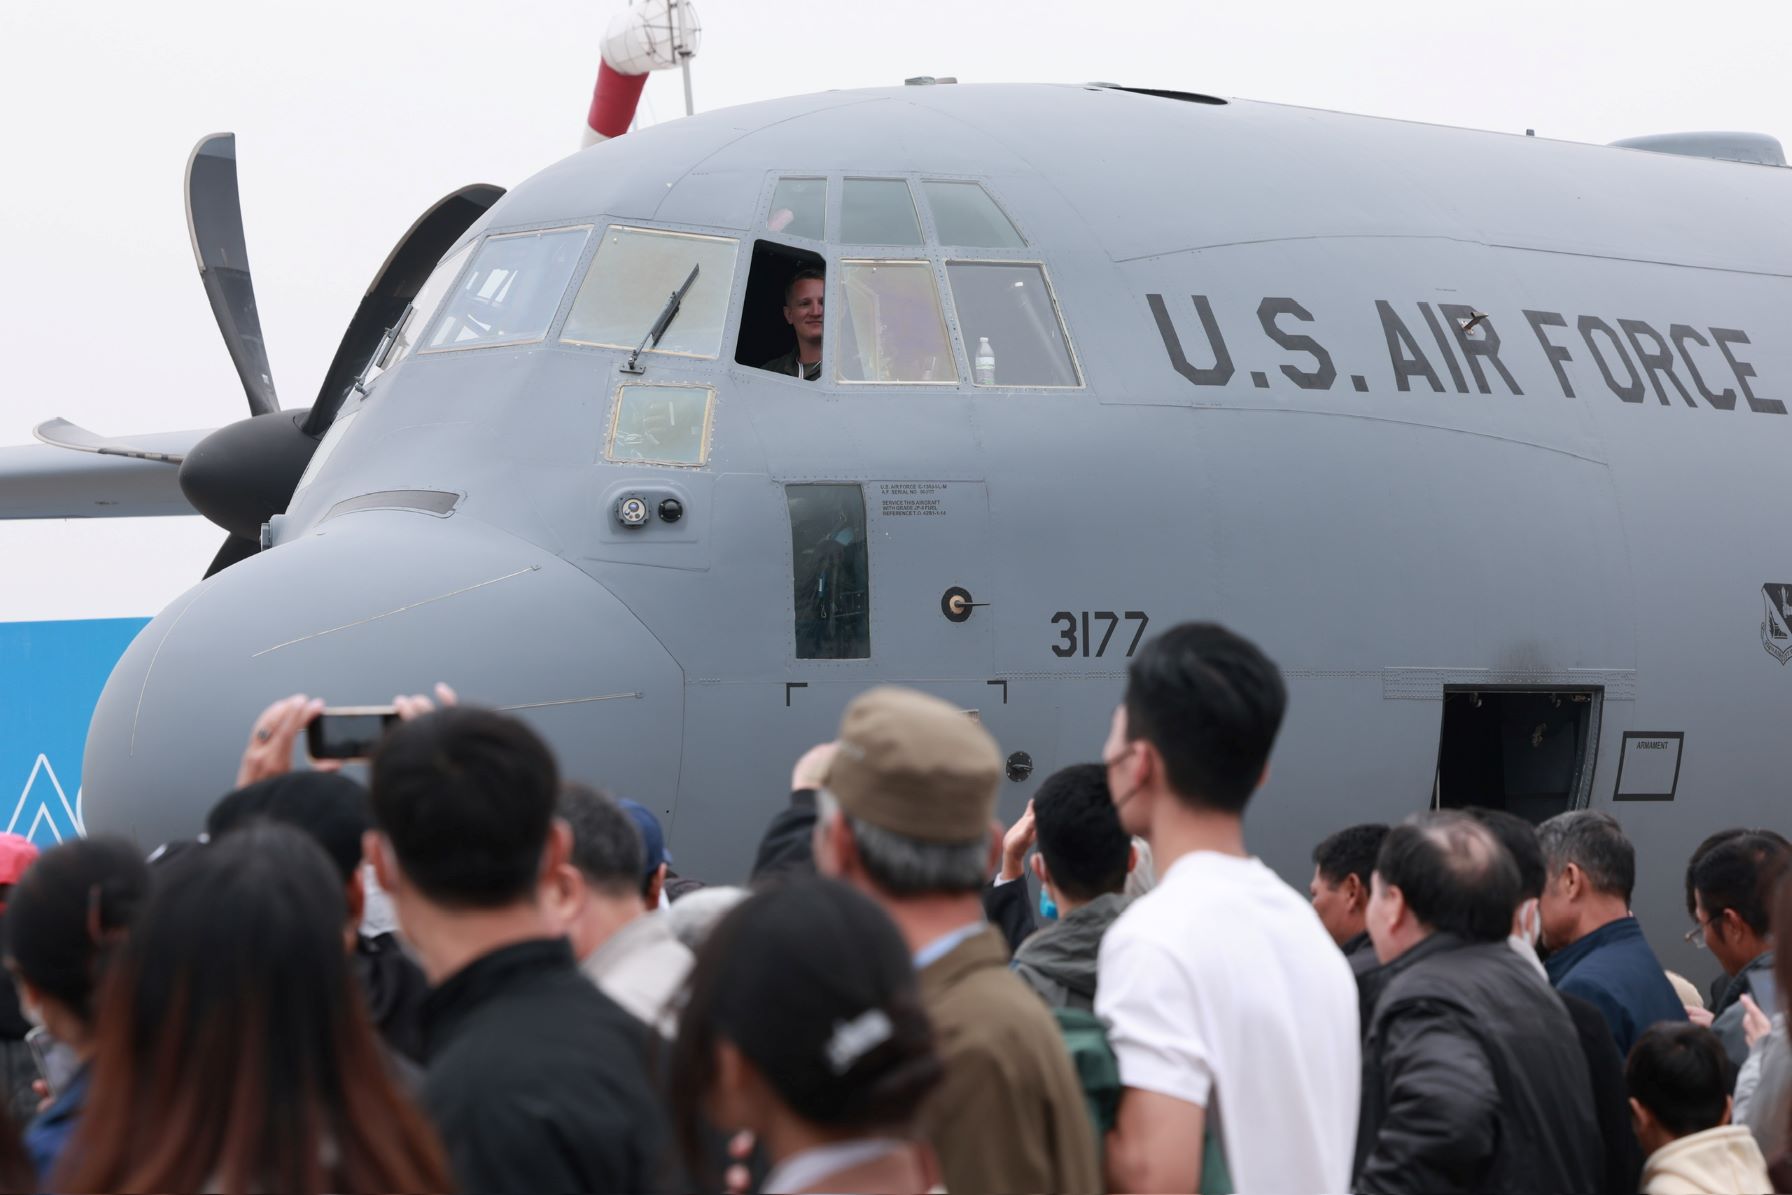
(1599, 952)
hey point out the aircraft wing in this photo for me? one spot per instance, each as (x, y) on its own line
(77, 474)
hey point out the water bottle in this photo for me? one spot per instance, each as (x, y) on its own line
(984, 367)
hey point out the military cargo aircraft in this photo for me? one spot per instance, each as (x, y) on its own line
(1475, 433)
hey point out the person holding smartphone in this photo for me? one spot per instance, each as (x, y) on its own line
(67, 911)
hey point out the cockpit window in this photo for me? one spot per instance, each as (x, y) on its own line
(1010, 323)
(878, 211)
(893, 330)
(964, 214)
(660, 425)
(799, 208)
(423, 307)
(635, 271)
(510, 293)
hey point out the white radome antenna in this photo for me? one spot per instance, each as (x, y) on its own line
(655, 35)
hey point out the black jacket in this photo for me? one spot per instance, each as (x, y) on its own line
(1473, 1078)
(1359, 952)
(1623, 1155)
(395, 989)
(1009, 908)
(787, 846)
(537, 1081)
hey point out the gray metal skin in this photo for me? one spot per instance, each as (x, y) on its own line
(1378, 542)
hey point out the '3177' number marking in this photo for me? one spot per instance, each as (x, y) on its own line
(1094, 637)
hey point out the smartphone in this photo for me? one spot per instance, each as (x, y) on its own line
(56, 1063)
(351, 732)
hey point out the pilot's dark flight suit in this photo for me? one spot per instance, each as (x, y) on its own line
(787, 365)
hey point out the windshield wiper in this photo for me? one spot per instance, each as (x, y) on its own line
(667, 314)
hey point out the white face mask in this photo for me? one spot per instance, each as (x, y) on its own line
(1530, 923)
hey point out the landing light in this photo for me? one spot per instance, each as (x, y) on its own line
(632, 512)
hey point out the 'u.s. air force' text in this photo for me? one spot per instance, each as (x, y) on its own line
(1633, 357)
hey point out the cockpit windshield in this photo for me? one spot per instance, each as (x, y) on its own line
(417, 315)
(511, 291)
(634, 272)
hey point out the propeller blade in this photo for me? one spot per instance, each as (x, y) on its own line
(236, 549)
(60, 433)
(405, 270)
(215, 226)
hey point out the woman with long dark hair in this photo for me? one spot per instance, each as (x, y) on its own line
(234, 1053)
(67, 912)
(802, 1023)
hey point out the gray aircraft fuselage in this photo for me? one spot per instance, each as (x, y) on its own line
(1423, 411)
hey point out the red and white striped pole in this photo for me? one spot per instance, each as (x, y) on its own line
(648, 36)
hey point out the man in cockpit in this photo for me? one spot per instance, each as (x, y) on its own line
(802, 311)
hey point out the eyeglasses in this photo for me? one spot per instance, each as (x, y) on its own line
(1118, 759)
(1695, 937)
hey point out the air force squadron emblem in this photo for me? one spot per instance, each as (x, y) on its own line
(1776, 624)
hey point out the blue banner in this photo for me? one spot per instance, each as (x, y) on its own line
(51, 674)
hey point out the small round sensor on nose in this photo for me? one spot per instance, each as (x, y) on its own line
(671, 510)
(632, 512)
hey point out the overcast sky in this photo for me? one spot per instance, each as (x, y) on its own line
(351, 118)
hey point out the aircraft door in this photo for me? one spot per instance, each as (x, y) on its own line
(893, 583)
(891, 572)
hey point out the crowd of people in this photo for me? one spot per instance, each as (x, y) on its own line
(474, 973)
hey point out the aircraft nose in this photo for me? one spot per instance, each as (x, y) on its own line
(370, 605)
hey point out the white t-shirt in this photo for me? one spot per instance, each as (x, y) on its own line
(1220, 985)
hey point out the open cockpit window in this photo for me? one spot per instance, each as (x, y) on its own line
(878, 211)
(799, 208)
(965, 215)
(510, 292)
(893, 330)
(635, 271)
(781, 319)
(830, 569)
(1010, 324)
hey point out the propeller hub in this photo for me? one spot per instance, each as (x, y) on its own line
(244, 473)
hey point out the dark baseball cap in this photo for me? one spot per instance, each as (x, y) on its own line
(652, 837)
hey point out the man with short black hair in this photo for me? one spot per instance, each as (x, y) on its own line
(906, 808)
(803, 304)
(1221, 987)
(1679, 1080)
(536, 1080)
(1473, 1078)
(1083, 860)
(1733, 883)
(1342, 865)
(627, 949)
(1598, 951)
